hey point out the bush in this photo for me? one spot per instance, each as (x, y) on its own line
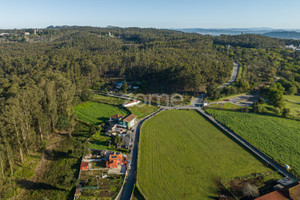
(286, 112)
(250, 190)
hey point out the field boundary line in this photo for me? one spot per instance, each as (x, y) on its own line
(249, 146)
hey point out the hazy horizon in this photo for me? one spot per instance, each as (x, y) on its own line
(156, 14)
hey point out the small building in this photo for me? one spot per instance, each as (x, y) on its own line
(116, 118)
(294, 192)
(26, 33)
(131, 103)
(276, 195)
(128, 121)
(289, 193)
(119, 85)
(285, 182)
(4, 34)
(84, 166)
(115, 161)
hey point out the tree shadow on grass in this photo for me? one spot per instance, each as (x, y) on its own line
(56, 155)
(102, 119)
(30, 185)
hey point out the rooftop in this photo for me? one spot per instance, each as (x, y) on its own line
(273, 196)
(116, 116)
(129, 118)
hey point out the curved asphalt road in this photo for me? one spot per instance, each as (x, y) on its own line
(235, 72)
(133, 155)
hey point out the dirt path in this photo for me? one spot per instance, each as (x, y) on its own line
(41, 167)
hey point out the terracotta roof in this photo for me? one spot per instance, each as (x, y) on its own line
(84, 164)
(129, 118)
(116, 116)
(273, 196)
(295, 192)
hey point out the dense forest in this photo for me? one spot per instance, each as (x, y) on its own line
(41, 80)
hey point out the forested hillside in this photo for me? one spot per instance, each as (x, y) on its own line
(42, 79)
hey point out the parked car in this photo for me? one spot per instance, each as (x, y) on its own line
(128, 164)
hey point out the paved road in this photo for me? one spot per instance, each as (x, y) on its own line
(127, 189)
(254, 150)
(235, 72)
(244, 100)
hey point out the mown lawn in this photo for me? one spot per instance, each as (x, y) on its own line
(295, 98)
(108, 99)
(226, 106)
(182, 156)
(142, 110)
(277, 137)
(97, 113)
(294, 109)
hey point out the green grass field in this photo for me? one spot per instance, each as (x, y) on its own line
(107, 99)
(97, 113)
(226, 106)
(143, 111)
(182, 156)
(294, 108)
(295, 98)
(277, 137)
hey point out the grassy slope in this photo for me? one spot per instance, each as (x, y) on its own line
(182, 155)
(295, 98)
(294, 108)
(143, 110)
(97, 113)
(58, 172)
(277, 137)
(108, 99)
(226, 106)
(225, 97)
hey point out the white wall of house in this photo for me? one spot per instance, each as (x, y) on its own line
(131, 104)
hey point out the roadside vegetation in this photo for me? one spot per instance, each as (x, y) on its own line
(275, 136)
(182, 156)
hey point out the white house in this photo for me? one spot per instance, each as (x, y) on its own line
(131, 103)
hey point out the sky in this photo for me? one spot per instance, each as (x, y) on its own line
(151, 13)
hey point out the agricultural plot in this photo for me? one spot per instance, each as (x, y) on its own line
(96, 187)
(97, 113)
(182, 156)
(277, 137)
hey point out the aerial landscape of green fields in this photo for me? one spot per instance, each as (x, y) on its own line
(182, 155)
(279, 138)
(150, 100)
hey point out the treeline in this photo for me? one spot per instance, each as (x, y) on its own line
(40, 82)
(249, 41)
(260, 64)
